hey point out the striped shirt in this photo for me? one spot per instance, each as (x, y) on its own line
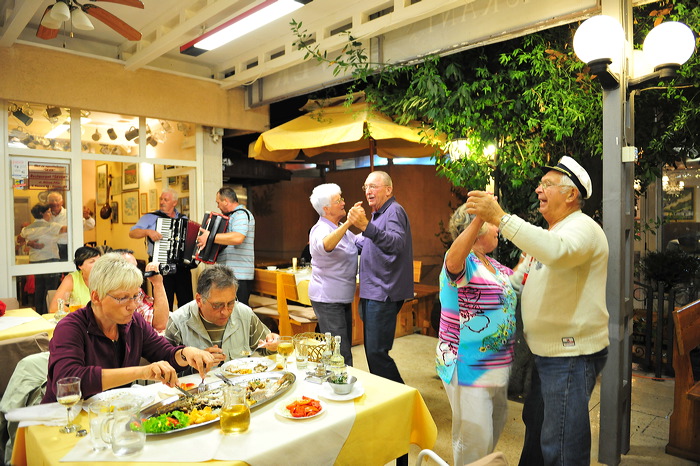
(240, 257)
(477, 324)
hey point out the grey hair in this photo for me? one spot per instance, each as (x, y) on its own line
(172, 192)
(567, 182)
(321, 196)
(217, 276)
(113, 272)
(460, 220)
(386, 179)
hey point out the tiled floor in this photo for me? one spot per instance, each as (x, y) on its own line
(652, 403)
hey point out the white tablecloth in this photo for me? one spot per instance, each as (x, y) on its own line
(267, 441)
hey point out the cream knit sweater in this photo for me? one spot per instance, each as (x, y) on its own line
(562, 284)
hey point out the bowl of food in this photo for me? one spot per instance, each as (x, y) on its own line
(342, 386)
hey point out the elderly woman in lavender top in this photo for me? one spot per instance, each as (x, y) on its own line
(334, 265)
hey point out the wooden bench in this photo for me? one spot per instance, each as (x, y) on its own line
(291, 318)
(684, 430)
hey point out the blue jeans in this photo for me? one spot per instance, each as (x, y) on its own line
(557, 425)
(337, 319)
(379, 327)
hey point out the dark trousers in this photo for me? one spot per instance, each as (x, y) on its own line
(179, 284)
(63, 252)
(379, 327)
(243, 292)
(42, 284)
(337, 319)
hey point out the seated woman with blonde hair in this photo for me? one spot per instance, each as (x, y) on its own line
(104, 342)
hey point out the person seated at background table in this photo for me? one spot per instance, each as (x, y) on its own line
(42, 238)
(333, 266)
(217, 321)
(74, 287)
(103, 343)
(156, 309)
(475, 342)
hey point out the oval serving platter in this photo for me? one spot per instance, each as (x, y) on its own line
(282, 381)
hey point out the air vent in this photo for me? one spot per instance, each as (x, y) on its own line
(343, 28)
(380, 13)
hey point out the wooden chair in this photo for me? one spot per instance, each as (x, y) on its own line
(417, 268)
(292, 319)
(684, 429)
(10, 303)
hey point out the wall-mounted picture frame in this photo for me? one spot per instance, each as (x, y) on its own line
(183, 205)
(153, 199)
(101, 178)
(115, 212)
(157, 172)
(144, 203)
(130, 207)
(185, 183)
(130, 176)
(173, 181)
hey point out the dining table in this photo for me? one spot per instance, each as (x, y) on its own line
(374, 428)
(25, 322)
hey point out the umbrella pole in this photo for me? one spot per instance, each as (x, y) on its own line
(372, 151)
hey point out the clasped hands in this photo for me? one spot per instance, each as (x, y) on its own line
(357, 216)
(484, 205)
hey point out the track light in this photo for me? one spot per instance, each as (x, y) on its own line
(25, 116)
(53, 112)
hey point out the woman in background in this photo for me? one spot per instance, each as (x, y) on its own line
(74, 287)
(475, 341)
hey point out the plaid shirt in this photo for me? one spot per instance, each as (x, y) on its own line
(146, 307)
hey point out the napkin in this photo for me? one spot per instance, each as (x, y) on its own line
(50, 414)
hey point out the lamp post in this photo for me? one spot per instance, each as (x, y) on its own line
(604, 43)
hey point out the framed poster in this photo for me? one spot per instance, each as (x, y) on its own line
(144, 203)
(157, 172)
(153, 199)
(130, 206)
(101, 184)
(183, 205)
(130, 176)
(185, 183)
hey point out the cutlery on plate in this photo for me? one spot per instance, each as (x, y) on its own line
(185, 392)
(224, 378)
(202, 387)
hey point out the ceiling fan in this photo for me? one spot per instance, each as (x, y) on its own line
(71, 10)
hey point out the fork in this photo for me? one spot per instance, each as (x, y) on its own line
(202, 387)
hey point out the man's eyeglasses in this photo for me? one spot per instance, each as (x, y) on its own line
(339, 201)
(548, 184)
(220, 306)
(136, 298)
(371, 187)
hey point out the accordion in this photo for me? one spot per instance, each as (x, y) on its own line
(179, 242)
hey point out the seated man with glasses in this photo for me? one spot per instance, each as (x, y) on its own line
(216, 322)
(103, 343)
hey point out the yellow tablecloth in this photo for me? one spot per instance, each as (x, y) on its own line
(28, 328)
(389, 417)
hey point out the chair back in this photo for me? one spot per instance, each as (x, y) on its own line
(10, 303)
(417, 267)
(14, 350)
(49, 297)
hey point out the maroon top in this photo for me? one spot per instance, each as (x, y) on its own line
(79, 348)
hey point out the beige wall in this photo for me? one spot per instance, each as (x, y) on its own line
(33, 74)
(283, 213)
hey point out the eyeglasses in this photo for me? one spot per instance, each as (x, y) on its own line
(136, 298)
(220, 306)
(339, 201)
(372, 187)
(548, 184)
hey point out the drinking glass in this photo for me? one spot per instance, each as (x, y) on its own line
(285, 348)
(68, 394)
(302, 353)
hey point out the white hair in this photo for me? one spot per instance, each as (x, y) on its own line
(321, 196)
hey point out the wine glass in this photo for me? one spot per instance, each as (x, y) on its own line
(68, 394)
(285, 348)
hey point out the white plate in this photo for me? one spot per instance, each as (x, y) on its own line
(243, 365)
(118, 394)
(328, 393)
(281, 409)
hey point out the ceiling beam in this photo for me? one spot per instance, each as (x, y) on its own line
(22, 13)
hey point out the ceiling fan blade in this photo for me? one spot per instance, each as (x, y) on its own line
(112, 21)
(46, 33)
(134, 3)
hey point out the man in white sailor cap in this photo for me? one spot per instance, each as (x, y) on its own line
(565, 321)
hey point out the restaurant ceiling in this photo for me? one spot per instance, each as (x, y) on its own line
(265, 60)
